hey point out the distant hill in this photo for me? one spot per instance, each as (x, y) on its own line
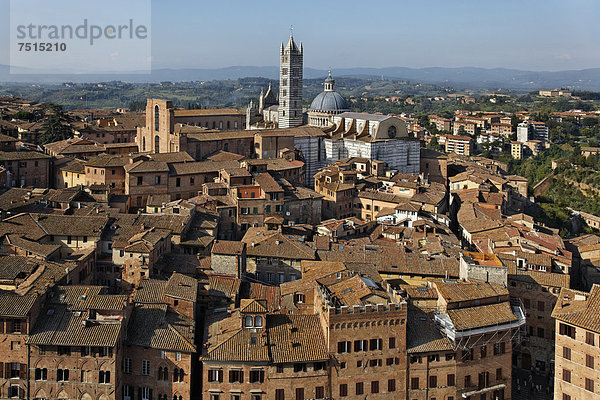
(464, 77)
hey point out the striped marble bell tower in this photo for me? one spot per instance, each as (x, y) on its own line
(290, 85)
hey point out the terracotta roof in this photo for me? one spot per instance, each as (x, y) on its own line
(208, 112)
(150, 291)
(253, 306)
(182, 287)
(221, 285)
(454, 292)
(296, 338)
(579, 308)
(263, 243)
(422, 335)
(151, 325)
(14, 305)
(228, 247)
(481, 316)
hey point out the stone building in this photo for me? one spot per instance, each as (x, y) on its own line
(374, 136)
(291, 60)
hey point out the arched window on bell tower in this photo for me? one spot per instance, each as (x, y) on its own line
(157, 144)
(156, 118)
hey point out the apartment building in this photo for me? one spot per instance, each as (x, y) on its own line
(461, 145)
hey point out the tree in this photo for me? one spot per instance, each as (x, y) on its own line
(56, 126)
(24, 115)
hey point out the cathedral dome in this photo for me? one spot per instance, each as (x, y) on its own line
(330, 102)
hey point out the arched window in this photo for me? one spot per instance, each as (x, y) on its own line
(144, 144)
(156, 118)
(176, 375)
(157, 144)
(181, 375)
(160, 373)
(248, 321)
(228, 124)
(258, 321)
(392, 131)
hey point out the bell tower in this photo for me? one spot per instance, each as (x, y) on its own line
(290, 84)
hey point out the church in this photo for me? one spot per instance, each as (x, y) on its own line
(324, 133)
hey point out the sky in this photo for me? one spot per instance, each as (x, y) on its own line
(537, 35)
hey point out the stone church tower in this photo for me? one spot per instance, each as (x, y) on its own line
(290, 85)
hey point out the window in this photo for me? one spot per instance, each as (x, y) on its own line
(157, 179)
(145, 367)
(433, 381)
(236, 376)
(344, 347)
(540, 332)
(391, 385)
(299, 298)
(589, 338)
(104, 377)
(375, 363)
(258, 321)
(41, 374)
(483, 351)
(467, 380)
(498, 374)
(13, 391)
(212, 397)
(320, 392)
(86, 376)
(375, 387)
(360, 388)
(127, 365)
(299, 393)
(589, 385)
(540, 306)
(64, 351)
(62, 375)
(299, 367)
(567, 353)
(414, 383)
(178, 356)
(279, 394)
(361, 345)
(589, 361)
(279, 369)
(248, 321)
(450, 380)
(499, 348)
(467, 355)
(392, 343)
(566, 396)
(566, 375)
(215, 375)
(146, 393)
(343, 390)
(319, 366)
(257, 376)
(139, 180)
(567, 330)
(376, 344)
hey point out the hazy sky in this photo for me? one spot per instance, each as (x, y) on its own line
(524, 34)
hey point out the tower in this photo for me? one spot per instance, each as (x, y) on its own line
(290, 84)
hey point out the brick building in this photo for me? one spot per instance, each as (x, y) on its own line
(577, 340)
(26, 168)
